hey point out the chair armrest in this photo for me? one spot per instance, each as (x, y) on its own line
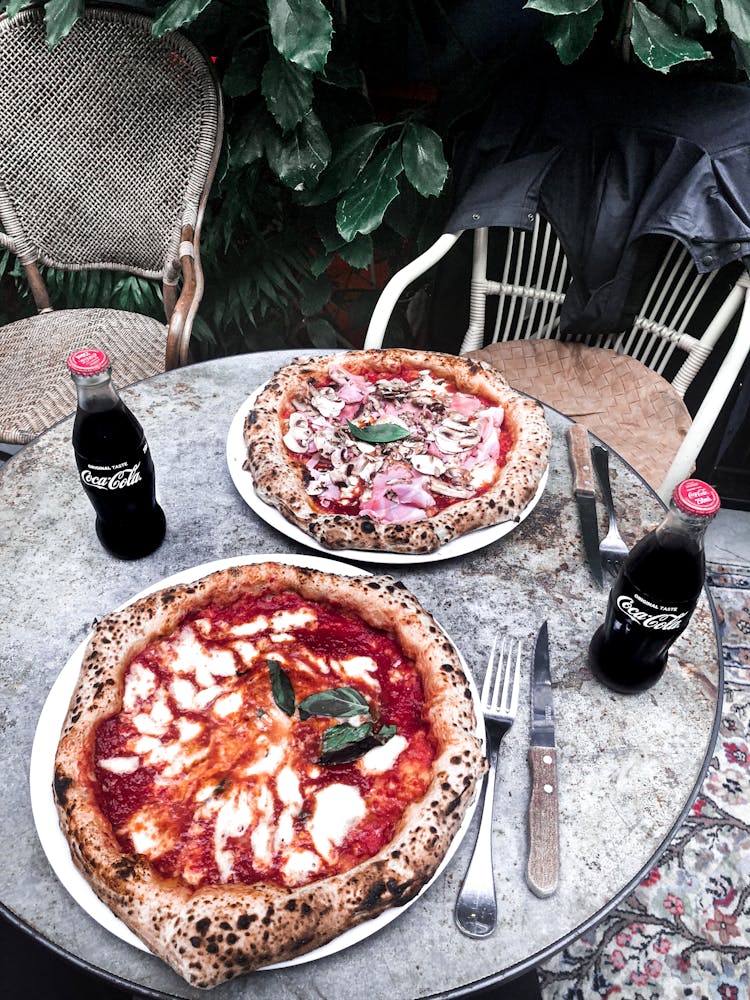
(390, 294)
(715, 397)
(180, 313)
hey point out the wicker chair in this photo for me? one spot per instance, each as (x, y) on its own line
(628, 386)
(108, 146)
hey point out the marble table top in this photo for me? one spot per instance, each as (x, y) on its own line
(628, 766)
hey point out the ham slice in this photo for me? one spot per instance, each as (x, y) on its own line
(398, 494)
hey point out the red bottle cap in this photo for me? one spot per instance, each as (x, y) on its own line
(696, 497)
(88, 362)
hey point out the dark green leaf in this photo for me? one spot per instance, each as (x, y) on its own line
(362, 208)
(301, 31)
(657, 45)
(288, 90)
(359, 252)
(315, 294)
(13, 7)
(177, 14)
(297, 159)
(378, 433)
(59, 18)
(385, 733)
(243, 73)
(707, 11)
(572, 34)
(249, 137)
(320, 264)
(560, 7)
(336, 738)
(424, 163)
(737, 16)
(354, 149)
(323, 334)
(334, 703)
(281, 686)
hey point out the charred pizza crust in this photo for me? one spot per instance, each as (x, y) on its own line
(279, 481)
(213, 933)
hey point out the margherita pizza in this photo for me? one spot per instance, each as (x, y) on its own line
(394, 450)
(256, 762)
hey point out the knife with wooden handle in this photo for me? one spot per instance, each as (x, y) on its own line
(585, 493)
(543, 868)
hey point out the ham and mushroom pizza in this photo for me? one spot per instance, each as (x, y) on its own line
(255, 762)
(394, 450)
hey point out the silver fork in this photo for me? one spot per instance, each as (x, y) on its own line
(476, 906)
(612, 548)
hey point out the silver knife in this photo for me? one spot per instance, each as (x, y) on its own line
(543, 868)
(583, 487)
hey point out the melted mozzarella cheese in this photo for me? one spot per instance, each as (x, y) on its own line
(232, 820)
(337, 808)
(381, 759)
(228, 704)
(262, 836)
(358, 668)
(140, 684)
(268, 762)
(188, 729)
(148, 836)
(259, 624)
(183, 691)
(282, 621)
(246, 651)
(120, 765)
(288, 788)
(299, 866)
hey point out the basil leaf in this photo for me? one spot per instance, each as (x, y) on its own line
(336, 703)
(378, 433)
(281, 687)
(385, 733)
(342, 744)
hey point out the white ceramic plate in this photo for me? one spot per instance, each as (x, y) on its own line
(44, 748)
(243, 480)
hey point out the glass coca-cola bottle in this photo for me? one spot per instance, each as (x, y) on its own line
(655, 593)
(114, 462)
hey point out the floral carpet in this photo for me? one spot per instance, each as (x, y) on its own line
(685, 932)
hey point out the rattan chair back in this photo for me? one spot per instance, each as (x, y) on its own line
(108, 146)
(107, 142)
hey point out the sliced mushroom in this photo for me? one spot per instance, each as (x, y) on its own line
(297, 438)
(451, 440)
(458, 492)
(326, 401)
(428, 465)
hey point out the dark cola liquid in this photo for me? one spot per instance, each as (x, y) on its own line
(117, 472)
(650, 604)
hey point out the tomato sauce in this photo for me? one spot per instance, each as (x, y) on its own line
(178, 801)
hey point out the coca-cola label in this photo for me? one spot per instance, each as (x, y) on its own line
(657, 617)
(106, 477)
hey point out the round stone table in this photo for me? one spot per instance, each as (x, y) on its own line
(628, 766)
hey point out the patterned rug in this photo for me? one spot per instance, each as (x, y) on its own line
(685, 932)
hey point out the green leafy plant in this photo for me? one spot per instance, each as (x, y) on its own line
(659, 33)
(341, 122)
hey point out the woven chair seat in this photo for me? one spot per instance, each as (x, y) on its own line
(29, 404)
(625, 404)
